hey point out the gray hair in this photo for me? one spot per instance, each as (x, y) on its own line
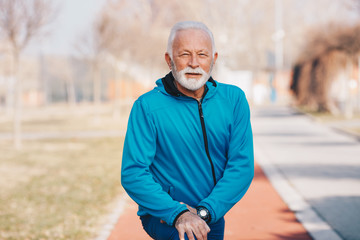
(188, 25)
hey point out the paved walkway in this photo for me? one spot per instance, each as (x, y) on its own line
(320, 168)
(260, 215)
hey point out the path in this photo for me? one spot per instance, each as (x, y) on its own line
(321, 165)
(260, 215)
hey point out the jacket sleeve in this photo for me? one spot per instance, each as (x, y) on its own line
(136, 178)
(239, 170)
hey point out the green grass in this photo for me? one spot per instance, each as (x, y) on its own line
(68, 122)
(58, 189)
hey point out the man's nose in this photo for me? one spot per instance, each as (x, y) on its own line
(194, 63)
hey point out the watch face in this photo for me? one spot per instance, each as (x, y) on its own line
(203, 213)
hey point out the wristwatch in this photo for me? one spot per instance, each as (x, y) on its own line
(203, 213)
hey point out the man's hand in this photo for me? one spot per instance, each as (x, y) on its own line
(192, 224)
(191, 209)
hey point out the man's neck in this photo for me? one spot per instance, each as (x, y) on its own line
(197, 94)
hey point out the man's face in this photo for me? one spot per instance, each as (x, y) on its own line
(192, 58)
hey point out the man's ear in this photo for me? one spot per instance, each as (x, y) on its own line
(215, 57)
(168, 60)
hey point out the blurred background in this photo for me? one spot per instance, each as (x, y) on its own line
(70, 71)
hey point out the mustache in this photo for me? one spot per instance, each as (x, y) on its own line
(190, 70)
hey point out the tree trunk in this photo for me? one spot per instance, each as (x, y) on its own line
(116, 109)
(10, 93)
(349, 109)
(17, 103)
(43, 80)
(96, 85)
(70, 88)
(358, 87)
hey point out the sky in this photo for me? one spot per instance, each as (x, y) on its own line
(74, 20)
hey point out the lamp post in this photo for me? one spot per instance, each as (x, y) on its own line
(278, 37)
(358, 86)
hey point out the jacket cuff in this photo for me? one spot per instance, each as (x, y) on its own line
(172, 220)
(177, 217)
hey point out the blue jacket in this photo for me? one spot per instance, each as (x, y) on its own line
(180, 150)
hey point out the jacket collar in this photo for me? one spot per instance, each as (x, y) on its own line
(170, 87)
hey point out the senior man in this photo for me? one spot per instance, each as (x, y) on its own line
(188, 151)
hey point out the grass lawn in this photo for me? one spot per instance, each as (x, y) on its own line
(351, 125)
(62, 118)
(58, 189)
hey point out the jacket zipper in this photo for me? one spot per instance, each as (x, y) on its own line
(205, 140)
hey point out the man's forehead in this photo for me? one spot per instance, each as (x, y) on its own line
(192, 35)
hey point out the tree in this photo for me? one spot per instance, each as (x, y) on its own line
(20, 22)
(325, 69)
(93, 46)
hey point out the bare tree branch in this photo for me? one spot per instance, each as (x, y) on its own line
(21, 20)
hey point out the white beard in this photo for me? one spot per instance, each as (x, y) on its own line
(191, 84)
